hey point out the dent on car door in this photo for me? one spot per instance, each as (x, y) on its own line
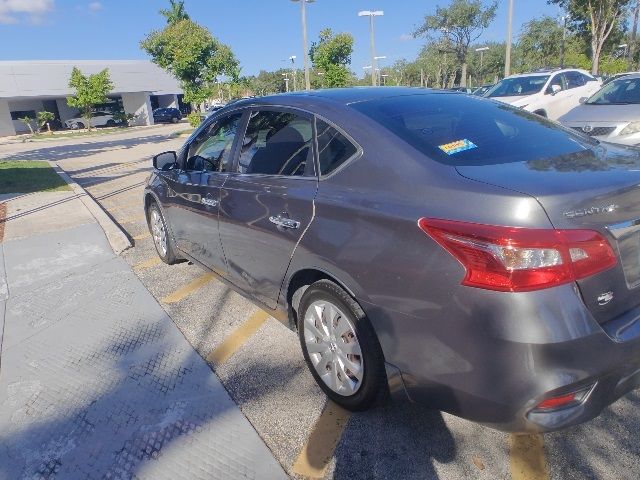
(267, 203)
(194, 191)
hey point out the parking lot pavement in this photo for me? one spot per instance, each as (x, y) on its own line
(96, 380)
(260, 364)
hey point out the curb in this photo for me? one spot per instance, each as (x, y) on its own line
(118, 240)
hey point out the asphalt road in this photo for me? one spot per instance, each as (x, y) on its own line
(260, 363)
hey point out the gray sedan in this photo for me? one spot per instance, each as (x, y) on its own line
(612, 114)
(465, 253)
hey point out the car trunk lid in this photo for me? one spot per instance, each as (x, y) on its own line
(596, 189)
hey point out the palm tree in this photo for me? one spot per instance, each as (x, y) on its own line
(176, 13)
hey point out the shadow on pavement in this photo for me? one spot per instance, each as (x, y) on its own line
(84, 149)
(130, 407)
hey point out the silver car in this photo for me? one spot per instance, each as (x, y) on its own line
(612, 114)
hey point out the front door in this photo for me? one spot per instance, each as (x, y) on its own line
(193, 214)
(267, 203)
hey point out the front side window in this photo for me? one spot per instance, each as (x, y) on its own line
(211, 149)
(276, 143)
(518, 86)
(333, 148)
(574, 80)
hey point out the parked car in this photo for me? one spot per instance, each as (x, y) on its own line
(612, 114)
(167, 115)
(98, 119)
(549, 93)
(480, 91)
(616, 76)
(466, 90)
(482, 259)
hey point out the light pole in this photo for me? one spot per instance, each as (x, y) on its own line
(384, 79)
(481, 50)
(367, 68)
(564, 40)
(379, 69)
(305, 42)
(286, 81)
(293, 71)
(321, 75)
(507, 58)
(371, 14)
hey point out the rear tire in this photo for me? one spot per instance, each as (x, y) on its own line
(160, 235)
(79, 126)
(174, 119)
(111, 123)
(341, 347)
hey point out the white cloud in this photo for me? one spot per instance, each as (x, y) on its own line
(95, 6)
(405, 37)
(12, 11)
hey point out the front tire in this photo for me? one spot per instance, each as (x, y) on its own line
(160, 234)
(340, 347)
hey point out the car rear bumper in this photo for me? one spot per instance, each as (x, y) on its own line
(498, 379)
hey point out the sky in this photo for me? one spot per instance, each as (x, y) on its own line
(262, 33)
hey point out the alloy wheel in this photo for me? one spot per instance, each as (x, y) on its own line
(158, 231)
(332, 344)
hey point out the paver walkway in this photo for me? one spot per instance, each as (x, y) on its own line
(96, 381)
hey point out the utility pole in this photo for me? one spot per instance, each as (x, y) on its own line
(293, 72)
(305, 41)
(482, 50)
(371, 15)
(634, 34)
(507, 58)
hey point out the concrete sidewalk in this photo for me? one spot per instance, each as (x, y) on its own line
(96, 381)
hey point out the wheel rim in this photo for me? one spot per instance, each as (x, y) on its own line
(333, 347)
(158, 231)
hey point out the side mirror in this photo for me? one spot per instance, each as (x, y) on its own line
(583, 99)
(165, 161)
(555, 88)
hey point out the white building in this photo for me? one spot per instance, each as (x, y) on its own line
(27, 87)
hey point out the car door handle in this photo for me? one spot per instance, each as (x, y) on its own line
(284, 222)
(209, 202)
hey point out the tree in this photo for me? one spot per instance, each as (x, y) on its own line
(43, 118)
(331, 54)
(540, 43)
(189, 52)
(596, 19)
(175, 13)
(90, 90)
(457, 27)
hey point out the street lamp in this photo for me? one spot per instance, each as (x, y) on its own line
(286, 81)
(293, 71)
(380, 57)
(481, 50)
(371, 14)
(305, 43)
(384, 79)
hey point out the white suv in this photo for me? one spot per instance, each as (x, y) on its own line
(550, 93)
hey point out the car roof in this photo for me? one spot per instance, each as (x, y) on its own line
(540, 73)
(344, 96)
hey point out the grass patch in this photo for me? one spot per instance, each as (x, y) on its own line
(29, 176)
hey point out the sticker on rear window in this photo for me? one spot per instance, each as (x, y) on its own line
(457, 146)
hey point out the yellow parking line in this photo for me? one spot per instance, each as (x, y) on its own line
(239, 337)
(189, 288)
(317, 452)
(142, 236)
(152, 262)
(527, 459)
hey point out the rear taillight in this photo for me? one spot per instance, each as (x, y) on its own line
(565, 400)
(514, 259)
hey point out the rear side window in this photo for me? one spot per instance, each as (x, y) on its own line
(574, 79)
(333, 148)
(466, 130)
(276, 143)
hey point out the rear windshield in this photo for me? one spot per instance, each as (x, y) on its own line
(518, 86)
(465, 130)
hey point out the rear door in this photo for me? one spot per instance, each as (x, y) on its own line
(266, 204)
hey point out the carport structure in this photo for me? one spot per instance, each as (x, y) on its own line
(27, 87)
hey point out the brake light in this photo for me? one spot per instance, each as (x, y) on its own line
(515, 259)
(565, 400)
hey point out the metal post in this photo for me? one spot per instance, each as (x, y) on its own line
(564, 40)
(373, 51)
(305, 45)
(507, 58)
